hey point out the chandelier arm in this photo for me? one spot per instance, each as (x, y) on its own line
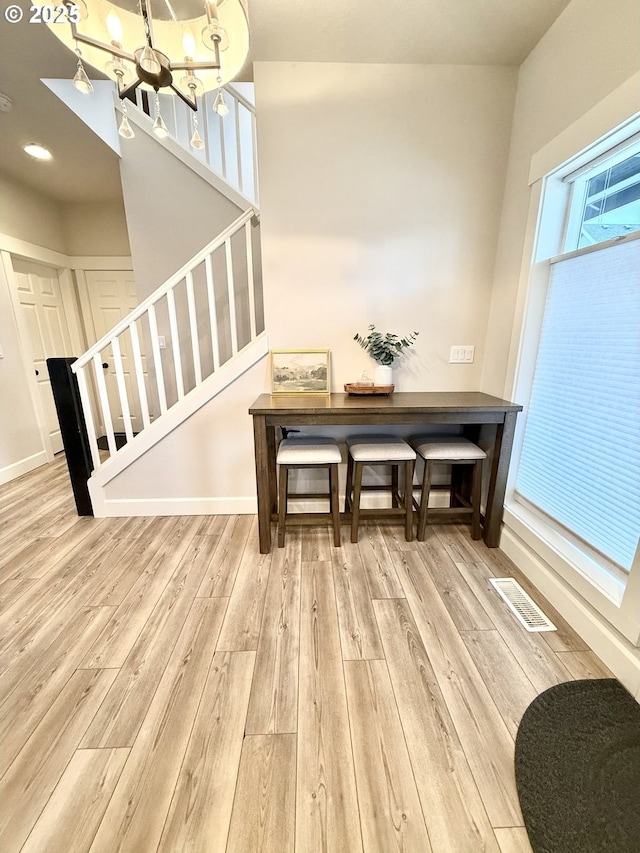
(130, 88)
(188, 101)
(196, 66)
(107, 48)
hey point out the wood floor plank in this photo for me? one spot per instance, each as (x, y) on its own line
(122, 713)
(513, 839)
(483, 734)
(503, 676)
(359, 634)
(382, 578)
(584, 664)
(273, 705)
(52, 614)
(222, 572)
(464, 608)
(390, 812)
(453, 810)
(137, 810)
(34, 774)
(565, 638)
(200, 812)
(264, 807)
(540, 664)
(393, 534)
(213, 525)
(326, 799)
(241, 627)
(113, 646)
(75, 809)
(316, 544)
(14, 559)
(12, 589)
(40, 686)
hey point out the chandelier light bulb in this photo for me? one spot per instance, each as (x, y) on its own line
(189, 44)
(81, 81)
(149, 62)
(114, 26)
(220, 105)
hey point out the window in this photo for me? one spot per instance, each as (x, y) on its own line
(605, 200)
(580, 459)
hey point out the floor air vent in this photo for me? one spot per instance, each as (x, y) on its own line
(526, 611)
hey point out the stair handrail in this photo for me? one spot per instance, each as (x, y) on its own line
(161, 291)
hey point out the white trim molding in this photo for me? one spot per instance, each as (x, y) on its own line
(23, 466)
(125, 508)
(621, 656)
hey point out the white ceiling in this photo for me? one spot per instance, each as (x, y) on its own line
(470, 32)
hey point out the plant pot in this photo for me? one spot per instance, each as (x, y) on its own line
(383, 375)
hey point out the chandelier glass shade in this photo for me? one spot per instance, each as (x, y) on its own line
(184, 46)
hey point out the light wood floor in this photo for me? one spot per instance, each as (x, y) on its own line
(166, 687)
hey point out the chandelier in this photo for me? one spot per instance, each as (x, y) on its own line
(186, 47)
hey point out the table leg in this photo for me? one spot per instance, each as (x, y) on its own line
(498, 480)
(263, 481)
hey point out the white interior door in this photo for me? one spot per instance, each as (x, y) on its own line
(49, 331)
(111, 296)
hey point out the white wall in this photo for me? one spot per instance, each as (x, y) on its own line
(592, 50)
(380, 192)
(171, 211)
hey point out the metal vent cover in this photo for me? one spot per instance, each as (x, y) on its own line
(522, 605)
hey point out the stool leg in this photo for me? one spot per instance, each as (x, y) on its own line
(335, 508)
(355, 506)
(282, 503)
(424, 499)
(395, 486)
(476, 495)
(349, 484)
(408, 499)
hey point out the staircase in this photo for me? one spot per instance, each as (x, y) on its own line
(191, 338)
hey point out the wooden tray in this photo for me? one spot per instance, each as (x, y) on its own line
(353, 389)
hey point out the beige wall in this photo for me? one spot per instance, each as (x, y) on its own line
(381, 189)
(28, 215)
(96, 228)
(171, 211)
(592, 48)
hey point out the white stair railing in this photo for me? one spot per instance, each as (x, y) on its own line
(229, 141)
(200, 318)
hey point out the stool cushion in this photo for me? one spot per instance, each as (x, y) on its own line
(379, 448)
(308, 450)
(448, 448)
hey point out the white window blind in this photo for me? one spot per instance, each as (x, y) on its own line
(580, 461)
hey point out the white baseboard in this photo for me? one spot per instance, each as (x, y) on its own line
(17, 469)
(622, 658)
(123, 508)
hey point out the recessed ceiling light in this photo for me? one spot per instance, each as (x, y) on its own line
(37, 151)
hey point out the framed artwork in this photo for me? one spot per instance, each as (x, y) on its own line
(300, 371)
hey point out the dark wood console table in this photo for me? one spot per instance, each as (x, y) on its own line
(469, 409)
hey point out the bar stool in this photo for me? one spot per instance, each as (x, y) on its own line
(450, 450)
(308, 452)
(379, 450)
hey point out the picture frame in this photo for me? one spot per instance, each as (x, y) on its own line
(300, 371)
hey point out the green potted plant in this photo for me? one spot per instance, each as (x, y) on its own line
(384, 349)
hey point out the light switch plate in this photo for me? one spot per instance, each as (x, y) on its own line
(462, 354)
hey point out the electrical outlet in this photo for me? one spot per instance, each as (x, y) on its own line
(461, 354)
